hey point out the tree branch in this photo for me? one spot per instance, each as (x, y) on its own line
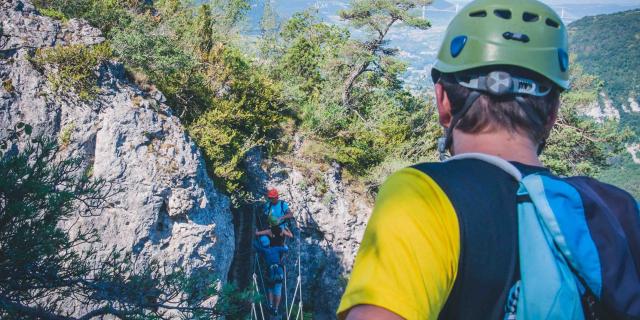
(34, 312)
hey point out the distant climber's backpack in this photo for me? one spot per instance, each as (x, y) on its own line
(579, 248)
(276, 274)
(271, 217)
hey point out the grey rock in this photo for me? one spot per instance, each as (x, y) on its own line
(166, 208)
(23, 27)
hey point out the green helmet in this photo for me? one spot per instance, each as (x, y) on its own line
(521, 33)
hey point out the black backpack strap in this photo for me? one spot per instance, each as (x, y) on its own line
(487, 267)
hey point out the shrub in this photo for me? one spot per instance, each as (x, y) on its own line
(73, 67)
(105, 15)
(65, 135)
(8, 85)
(248, 112)
(53, 13)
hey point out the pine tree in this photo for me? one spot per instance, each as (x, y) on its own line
(376, 17)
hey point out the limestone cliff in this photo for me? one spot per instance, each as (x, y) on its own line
(166, 207)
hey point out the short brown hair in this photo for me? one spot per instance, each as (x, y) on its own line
(503, 112)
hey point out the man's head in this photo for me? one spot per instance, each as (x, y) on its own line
(502, 65)
(272, 195)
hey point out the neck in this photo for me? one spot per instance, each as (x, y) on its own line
(501, 143)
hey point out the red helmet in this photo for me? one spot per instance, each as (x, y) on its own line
(272, 193)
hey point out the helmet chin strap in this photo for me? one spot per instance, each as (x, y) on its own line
(444, 143)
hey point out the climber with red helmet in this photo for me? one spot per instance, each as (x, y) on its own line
(276, 211)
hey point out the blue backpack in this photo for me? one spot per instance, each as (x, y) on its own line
(579, 248)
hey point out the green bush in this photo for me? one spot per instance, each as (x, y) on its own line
(7, 85)
(53, 13)
(249, 113)
(74, 67)
(105, 15)
(173, 69)
(65, 135)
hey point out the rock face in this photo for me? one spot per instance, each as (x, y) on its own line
(165, 208)
(332, 218)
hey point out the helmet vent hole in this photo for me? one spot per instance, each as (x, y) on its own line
(530, 17)
(478, 14)
(502, 13)
(552, 23)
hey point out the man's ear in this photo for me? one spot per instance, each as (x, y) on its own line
(444, 105)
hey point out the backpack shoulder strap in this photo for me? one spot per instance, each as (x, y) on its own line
(496, 161)
(545, 243)
(483, 212)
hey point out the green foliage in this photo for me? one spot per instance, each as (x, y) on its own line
(65, 134)
(614, 59)
(73, 67)
(269, 24)
(173, 69)
(303, 315)
(230, 12)
(226, 103)
(378, 15)
(53, 13)
(578, 145)
(233, 301)
(382, 122)
(103, 14)
(204, 29)
(249, 114)
(623, 173)
(7, 85)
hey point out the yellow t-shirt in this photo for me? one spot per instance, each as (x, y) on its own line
(408, 259)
